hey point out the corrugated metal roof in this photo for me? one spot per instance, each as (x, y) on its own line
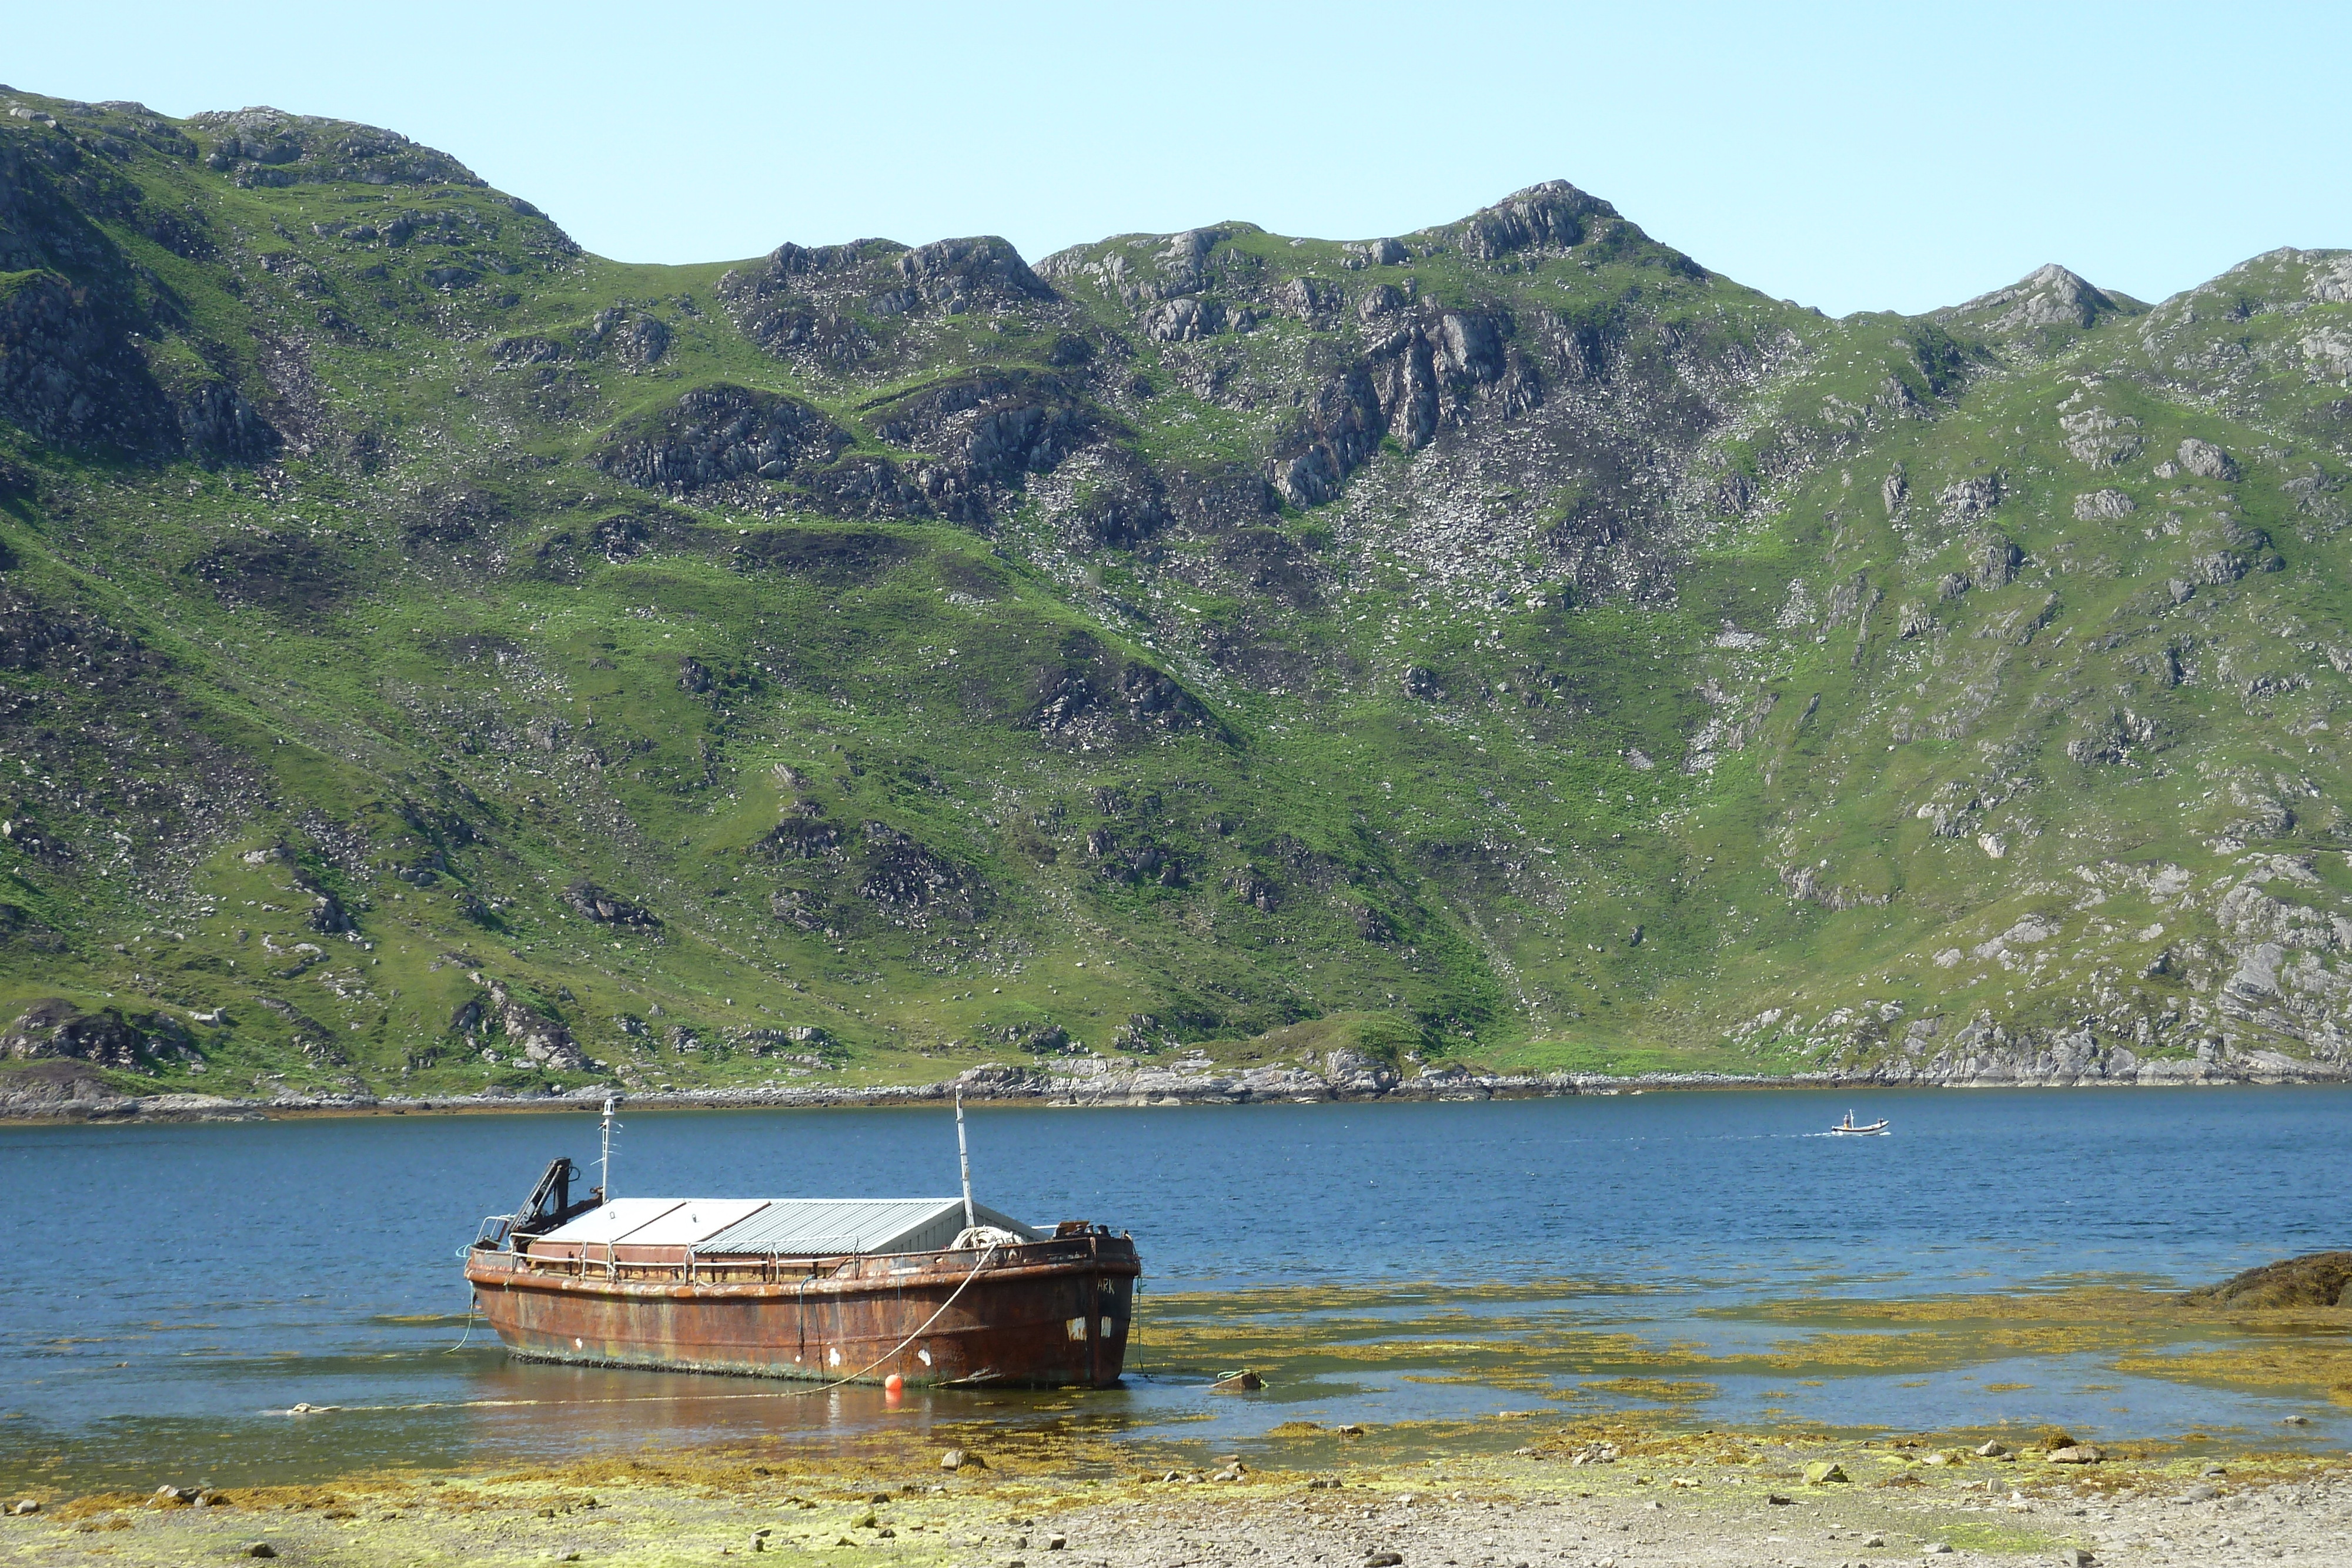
(788, 1226)
(695, 1220)
(801, 1227)
(614, 1220)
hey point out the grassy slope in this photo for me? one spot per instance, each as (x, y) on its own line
(505, 708)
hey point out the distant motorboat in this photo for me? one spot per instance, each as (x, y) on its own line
(1850, 1128)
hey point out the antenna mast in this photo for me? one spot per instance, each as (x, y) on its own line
(964, 1158)
(604, 1159)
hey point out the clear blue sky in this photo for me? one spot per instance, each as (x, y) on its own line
(1850, 156)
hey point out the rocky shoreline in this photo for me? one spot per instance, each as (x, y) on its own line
(1572, 1497)
(1345, 1076)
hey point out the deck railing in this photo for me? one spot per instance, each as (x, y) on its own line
(771, 1267)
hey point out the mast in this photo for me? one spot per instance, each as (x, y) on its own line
(964, 1158)
(604, 1159)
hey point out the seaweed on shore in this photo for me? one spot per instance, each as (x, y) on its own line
(2313, 1279)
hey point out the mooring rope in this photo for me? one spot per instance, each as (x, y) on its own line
(672, 1398)
(919, 1333)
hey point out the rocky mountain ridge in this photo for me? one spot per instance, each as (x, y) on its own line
(433, 658)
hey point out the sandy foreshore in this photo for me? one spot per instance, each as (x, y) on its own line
(1713, 1498)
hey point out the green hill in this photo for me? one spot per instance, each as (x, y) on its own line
(432, 657)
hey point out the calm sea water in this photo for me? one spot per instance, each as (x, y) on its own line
(171, 1290)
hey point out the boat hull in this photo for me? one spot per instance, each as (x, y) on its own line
(1051, 1313)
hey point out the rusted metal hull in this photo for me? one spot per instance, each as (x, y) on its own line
(1047, 1314)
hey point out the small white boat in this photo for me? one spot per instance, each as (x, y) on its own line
(1850, 1128)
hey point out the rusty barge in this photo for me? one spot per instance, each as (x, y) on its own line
(926, 1292)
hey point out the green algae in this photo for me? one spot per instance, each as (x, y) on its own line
(1555, 1340)
(1593, 1376)
(885, 1496)
(1683, 1391)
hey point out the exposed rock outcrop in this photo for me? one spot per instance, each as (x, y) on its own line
(533, 1036)
(716, 433)
(266, 147)
(912, 884)
(58, 1028)
(2049, 297)
(591, 902)
(1553, 213)
(2313, 1279)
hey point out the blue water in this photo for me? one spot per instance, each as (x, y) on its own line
(171, 1289)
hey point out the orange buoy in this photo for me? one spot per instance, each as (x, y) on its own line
(894, 1386)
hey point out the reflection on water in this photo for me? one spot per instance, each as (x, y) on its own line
(174, 1289)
